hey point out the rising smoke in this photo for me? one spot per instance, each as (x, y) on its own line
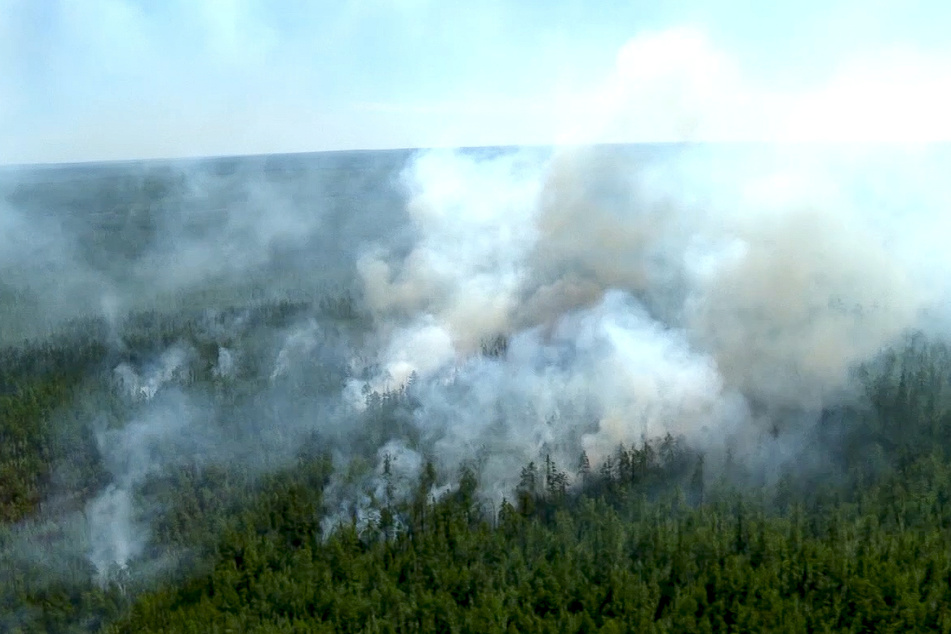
(723, 295)
(639, 297)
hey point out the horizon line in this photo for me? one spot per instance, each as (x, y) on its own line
(508, 146)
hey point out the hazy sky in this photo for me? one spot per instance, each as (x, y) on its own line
(114, 79)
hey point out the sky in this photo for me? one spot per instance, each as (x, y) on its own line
(90, 80)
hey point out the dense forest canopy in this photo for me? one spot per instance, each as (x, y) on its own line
(507, 390)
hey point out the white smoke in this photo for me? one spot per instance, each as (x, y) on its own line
(299, 343)
(706, 296)
(167, 430)
(171, 365)
(475, 224)
(227, 365)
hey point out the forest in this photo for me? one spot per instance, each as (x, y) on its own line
(651, 539)
(491, 390)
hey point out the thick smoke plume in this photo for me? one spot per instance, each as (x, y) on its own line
(489, 308)
(721, 296)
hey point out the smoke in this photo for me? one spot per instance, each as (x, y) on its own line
(168, 429)
(37, 257)
(719, 295)
(108, 240)
(498, 307)
(472, 237)
(219, 226)
(799, 303)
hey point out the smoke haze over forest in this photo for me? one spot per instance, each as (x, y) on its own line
(517, 303)
(713, 233)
